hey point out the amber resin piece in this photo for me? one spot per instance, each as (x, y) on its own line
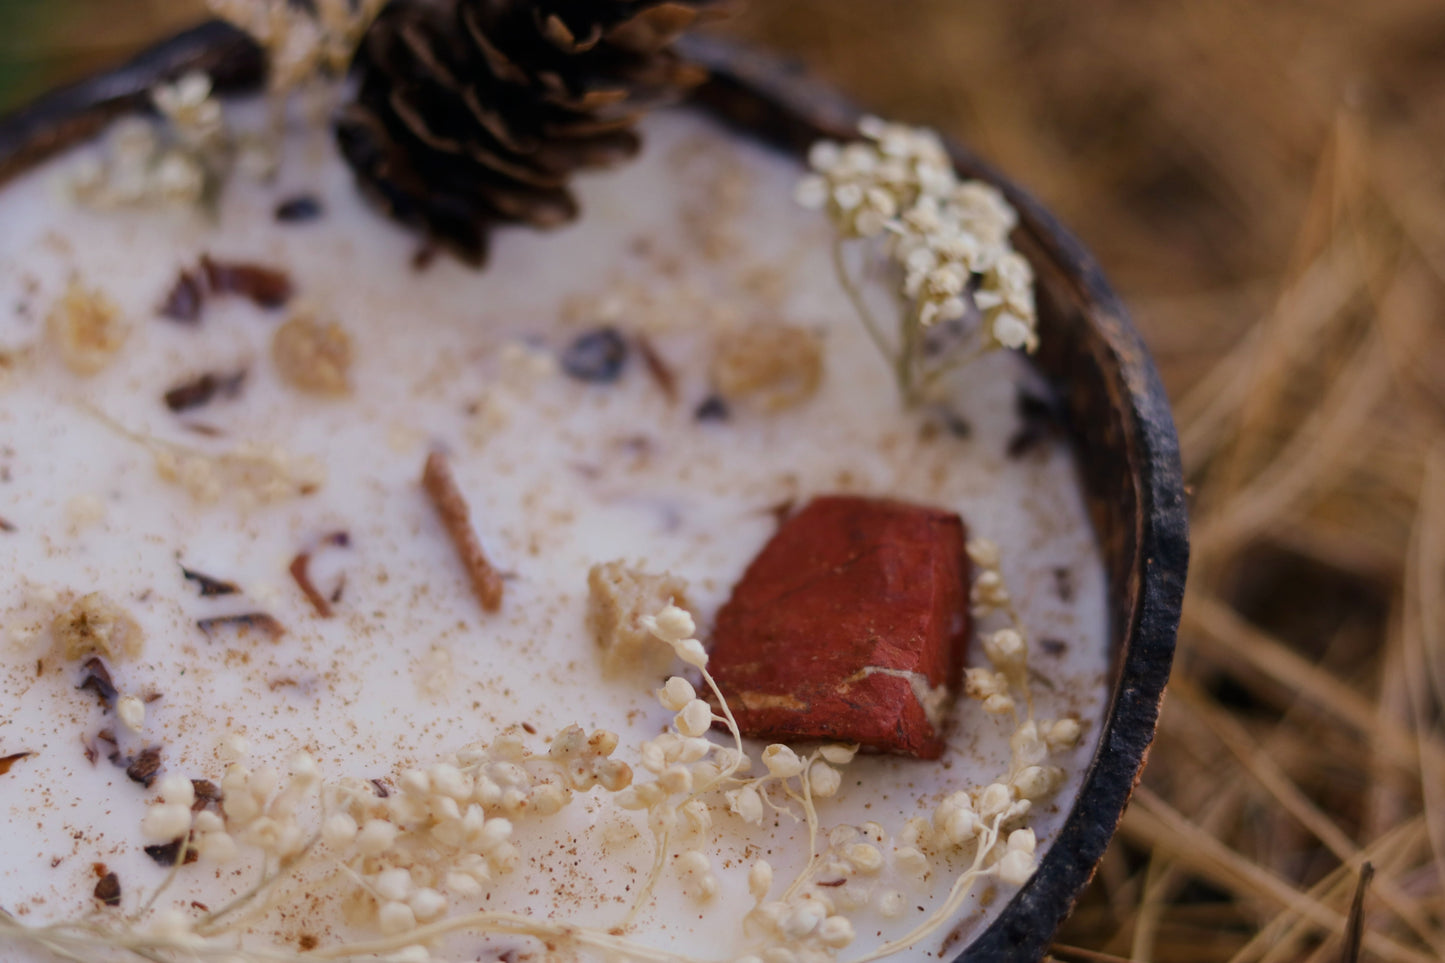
(850, 625)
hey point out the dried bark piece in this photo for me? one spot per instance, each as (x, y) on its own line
(618, 596)
(107, 889)
(7, 761)
(144, 767)
(267, 287)
(301, 575)
(850, 625)
(209, 585)
(312, 356)
(86, 328)
(261, 621)
(97, 679)
(204, 389)
(441, 487)
(186, 298)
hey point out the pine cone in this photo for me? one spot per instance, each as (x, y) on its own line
(476, 112)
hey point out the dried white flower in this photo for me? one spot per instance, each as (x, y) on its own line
(132, 712)
(947, 239)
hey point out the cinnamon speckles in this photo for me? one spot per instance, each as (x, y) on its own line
(313, 356)
(203, 389)
(7, 761)
(441, 488)
(85, 328)
(261, 622)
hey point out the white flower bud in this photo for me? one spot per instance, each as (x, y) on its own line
(392, 884)
(1023, 841)
(394, 918)
(1033, 782)
(206, 821)
(892, 904)
(994, 799)
(747, 804)
(801, 922)
(811, 192)
(177, 790)
(1005, 649)
(164, 822)
(1063, 734)
(463, 885)
(840, 754)
(338, 830)
(983, 552)
(376, 836)
(131, 712)
(672, 624)
(782, 761)
(415, 782)
(676, 693)
(694, 719)
(823, 779)
(1016, 867)
(692, 750)
(427, 904)
(910, 861)
(216, 847)
(864, 857)
(675, 779)
(691, 652)
(835, 932)
(998, 704)
(760, 879)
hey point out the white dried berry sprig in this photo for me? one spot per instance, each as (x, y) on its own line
(302, 41)
(945, 240)
(417, 854)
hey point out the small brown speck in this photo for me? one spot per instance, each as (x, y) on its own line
(1053, 647)
(381, 791)
(307, 942)
(265, 286)
(529, 729)
(203, 389)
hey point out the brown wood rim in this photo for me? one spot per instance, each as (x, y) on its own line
(1116, 408)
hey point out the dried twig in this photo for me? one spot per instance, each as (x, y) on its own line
(441, 487)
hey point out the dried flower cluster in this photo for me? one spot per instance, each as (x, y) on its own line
(182, 160)
(416, 858)
(86, 329)
(96, 625)
(313, 356)
(769, 365)
(947, 240)
(302, 41)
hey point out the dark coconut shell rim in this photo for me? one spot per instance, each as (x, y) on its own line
(1113, 403)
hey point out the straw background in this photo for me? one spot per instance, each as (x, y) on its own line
(1264, 184)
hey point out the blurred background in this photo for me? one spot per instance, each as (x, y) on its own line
(1264, 183)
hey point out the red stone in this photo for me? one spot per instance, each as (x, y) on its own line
(851, 602)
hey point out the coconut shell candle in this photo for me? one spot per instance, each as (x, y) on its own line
(361, 603)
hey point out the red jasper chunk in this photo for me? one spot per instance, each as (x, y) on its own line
(849, 626)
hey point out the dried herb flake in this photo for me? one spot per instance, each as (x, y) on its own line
(597, 356)
(97, 679)
(144, 767)
(265, 286)
(107, 889)
(209, 585)
(302, 207)
(186, 298)
(203, 389)
(261, 621)
(7, 761)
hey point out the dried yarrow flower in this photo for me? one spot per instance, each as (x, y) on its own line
(946, 239)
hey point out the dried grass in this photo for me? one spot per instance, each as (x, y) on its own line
(1262, 181)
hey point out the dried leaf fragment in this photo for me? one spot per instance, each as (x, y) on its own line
(107, 889)
(7, 761)
(95, 625)
(204, 389)
(144, 767)
(265, 286)
(86, 328)
(261, 621)
(441, 487)
(209, 585)
(97, 679)
(312, 356)
(186, 298)
(768, 365)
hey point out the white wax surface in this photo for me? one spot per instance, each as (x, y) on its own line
(698, 234)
